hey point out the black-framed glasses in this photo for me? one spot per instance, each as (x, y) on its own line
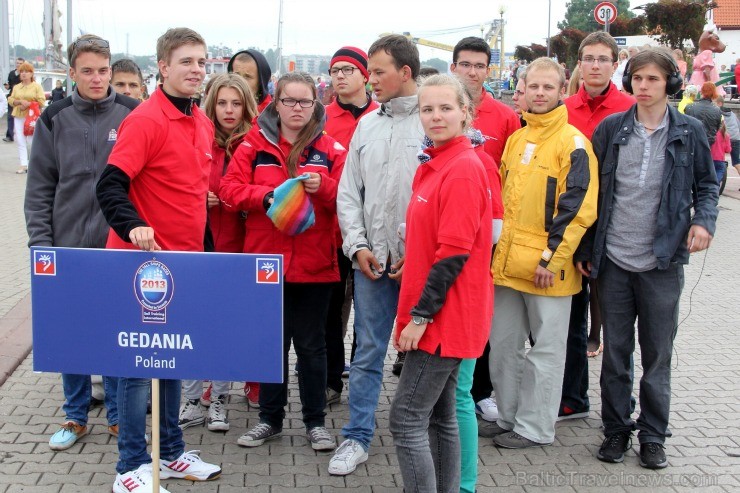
(291, 102)
(346, 70)
(79, 43)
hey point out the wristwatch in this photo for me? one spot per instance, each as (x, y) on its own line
(420, 320)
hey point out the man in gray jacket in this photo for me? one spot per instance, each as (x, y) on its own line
(72, 142)
(373, 195)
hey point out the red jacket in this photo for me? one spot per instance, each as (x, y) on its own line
(257, 168)
(227, 223)
(497, 122)
(341, 124)
(721, 146)
(581, 116)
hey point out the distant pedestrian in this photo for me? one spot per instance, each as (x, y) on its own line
(13, 79)
(24, 93)
(57, 94)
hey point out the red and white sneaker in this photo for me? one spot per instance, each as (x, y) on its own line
(188, 466)
(136, 481)
(205, 399)
(252, 393)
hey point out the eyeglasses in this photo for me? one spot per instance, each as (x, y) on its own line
(79, 43)
(467, 66)
(346, 70)
(290, 102)
(602, 60)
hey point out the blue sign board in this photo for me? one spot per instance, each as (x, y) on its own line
(174, 315)
(495, 56)
(621, 41)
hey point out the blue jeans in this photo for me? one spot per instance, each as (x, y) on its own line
(719, 168)
(652, 298)
(133, 394)
(575, 377)
(77, 393)
(423, 422)
(376, 303)
(11, 123)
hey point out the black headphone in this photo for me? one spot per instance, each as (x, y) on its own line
(673, 84)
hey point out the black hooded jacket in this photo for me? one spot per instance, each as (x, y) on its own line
(263, 70)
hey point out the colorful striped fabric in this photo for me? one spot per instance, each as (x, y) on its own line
(292, 211)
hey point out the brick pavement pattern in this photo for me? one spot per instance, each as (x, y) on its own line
(705, 417)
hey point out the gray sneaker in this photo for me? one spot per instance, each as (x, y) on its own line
(486, 429)
(217, 420)
(320, 439)
(515, 440)
(332, 396)
(191, 414)
(257, 435)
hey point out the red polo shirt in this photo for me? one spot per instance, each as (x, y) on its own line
(450, 209)
(496, 121)
(585, 112)
(167, 156)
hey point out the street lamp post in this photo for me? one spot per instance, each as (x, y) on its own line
(549, 9)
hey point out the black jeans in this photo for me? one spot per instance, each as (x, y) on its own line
(482, 387)
(305, 306)
(652, 298)
(335, 327)
(575, 378)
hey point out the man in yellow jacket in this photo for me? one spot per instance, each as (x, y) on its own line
(550, 187)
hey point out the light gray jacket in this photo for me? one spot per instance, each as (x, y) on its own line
(71, 145)
(375, 188)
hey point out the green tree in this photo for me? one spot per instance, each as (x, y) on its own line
(437, 63)
(675, 21)
(579, 14)
(565, 45)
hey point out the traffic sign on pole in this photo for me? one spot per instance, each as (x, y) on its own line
(605, 13)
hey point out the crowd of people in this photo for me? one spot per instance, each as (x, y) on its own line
(474, 237)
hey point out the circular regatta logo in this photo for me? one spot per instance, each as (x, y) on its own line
(153, 285)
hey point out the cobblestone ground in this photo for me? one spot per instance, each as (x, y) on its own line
(705, 417)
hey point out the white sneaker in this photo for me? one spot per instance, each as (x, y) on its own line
(136, 481)
(349, 454)
(191, 414)
(486, 409)
(189, 466)
(217, 420)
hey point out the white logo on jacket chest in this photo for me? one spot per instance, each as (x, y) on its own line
(112, 135)
(419, 198)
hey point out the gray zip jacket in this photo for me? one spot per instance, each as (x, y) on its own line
(71, 145)
(375, 187)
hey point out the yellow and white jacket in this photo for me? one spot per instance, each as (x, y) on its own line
(549, 176)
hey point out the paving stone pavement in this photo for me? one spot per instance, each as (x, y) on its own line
(705, 416)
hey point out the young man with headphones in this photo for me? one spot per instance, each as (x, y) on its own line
(654, 166)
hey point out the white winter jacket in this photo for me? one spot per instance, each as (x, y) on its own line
(375, 188)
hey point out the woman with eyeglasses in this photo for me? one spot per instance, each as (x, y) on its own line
(20, 99)
(283, 156)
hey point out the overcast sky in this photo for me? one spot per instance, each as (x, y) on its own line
(310, 26)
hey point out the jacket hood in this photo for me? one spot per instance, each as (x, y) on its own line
(263, 70)
(269, 122)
